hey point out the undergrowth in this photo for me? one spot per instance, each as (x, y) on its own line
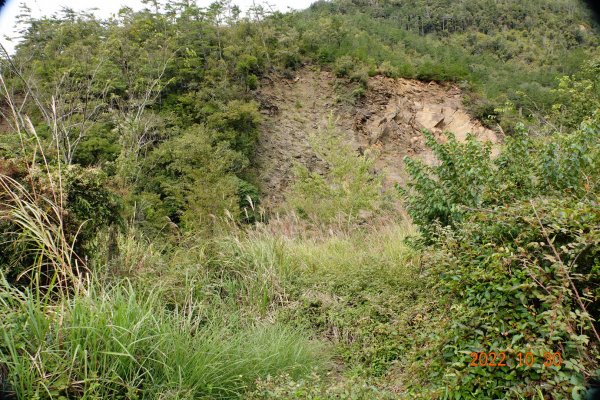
(182, 291)
(120, 342)
(514, 240)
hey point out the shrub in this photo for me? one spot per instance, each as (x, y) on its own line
(515, 242)
(463, 177)
(360, 76)
(344, 66)
(386, 69)
(515, 274)
(251, 82)
(578, 96)
(237, 124)
(468, 177)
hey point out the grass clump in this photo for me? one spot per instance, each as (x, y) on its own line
(120, 342)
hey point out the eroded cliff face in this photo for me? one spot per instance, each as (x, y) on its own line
(394, 113)
(388, 122)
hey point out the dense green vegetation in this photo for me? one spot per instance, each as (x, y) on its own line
(517, 253)
(137, 263)
(504, 51)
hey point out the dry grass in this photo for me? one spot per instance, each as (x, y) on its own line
(36, 214)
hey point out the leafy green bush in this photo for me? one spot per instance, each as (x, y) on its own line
(236, 124)
(192, 178)
(463, 177)
(467, 176)
(91, 205)
(515, 281)
(578, 96)
(515, 241)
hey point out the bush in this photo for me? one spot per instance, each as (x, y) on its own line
(463, 177)
(386, 69)
(344, 66)
(468, 177)
(515, 242)
(360, 76)
(509, 276)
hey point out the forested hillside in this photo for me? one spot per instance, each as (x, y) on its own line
(200, 202)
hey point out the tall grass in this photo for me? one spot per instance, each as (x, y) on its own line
(40, 236)
(118, 342)
(69, 334)
(36, 211)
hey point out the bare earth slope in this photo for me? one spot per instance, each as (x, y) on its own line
(388, 121)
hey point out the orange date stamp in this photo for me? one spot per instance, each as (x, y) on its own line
(499, 359)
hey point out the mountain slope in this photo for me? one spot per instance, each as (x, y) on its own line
(386, 121)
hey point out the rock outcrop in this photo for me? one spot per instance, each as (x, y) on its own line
(388, 121)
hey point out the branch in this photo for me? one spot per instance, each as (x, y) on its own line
(564, 269)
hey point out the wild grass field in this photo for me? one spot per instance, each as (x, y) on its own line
(346, 202)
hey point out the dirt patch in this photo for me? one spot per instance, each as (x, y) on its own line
(5, 125)
(388, 121)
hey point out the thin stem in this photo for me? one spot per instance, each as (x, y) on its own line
(564, 270)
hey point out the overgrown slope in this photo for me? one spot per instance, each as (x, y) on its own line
(195, 203)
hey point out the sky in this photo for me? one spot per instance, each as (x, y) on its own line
(105, 8)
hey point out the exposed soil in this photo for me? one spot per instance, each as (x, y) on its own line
(388, 121)
(4, 124)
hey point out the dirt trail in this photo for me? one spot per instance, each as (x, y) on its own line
(387, 120)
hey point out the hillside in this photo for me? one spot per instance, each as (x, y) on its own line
(387, 121)
(366, 199)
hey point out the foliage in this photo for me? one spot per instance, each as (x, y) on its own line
(578, 95)
(515, 241)
(514, 293)
(90, 204)
(49, 220)
(346, 190)
(506, 51)
(140, 91)
(193, 179)
(468, 177)
(167, 69)
(463, 177)
(344, 66)
(152, 116)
